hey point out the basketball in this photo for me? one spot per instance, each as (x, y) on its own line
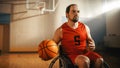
(47, 49)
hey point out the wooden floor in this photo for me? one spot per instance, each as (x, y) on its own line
(31, 60)
(23, 60)
(111, 56)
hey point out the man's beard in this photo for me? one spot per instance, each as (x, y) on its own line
(75, 19)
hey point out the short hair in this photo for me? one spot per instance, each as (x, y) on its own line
(68, 8)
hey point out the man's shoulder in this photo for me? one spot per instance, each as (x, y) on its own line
(86, 26)
(80, 22)
(59, 29)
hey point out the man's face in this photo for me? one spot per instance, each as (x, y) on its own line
(73, 14)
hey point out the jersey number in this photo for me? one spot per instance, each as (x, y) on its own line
(77, 40)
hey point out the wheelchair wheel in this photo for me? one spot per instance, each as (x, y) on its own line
(65, 63)
(53, 62)
(105, 65)
(62, 63)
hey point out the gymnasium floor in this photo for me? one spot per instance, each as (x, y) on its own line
(31, 60)
(111, 56)
(22, 60)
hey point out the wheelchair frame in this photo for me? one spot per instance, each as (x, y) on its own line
(65, 62)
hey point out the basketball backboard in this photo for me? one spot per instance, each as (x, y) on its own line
(34, 4)
(42, 5)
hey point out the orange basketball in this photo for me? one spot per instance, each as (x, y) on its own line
(47, 49)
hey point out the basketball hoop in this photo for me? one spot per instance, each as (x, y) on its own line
(41, 6)
(42, 9)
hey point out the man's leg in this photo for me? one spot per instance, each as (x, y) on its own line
(96, 58)
(98, 63)
(82, 61)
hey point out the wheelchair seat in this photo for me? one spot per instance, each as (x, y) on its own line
(65, 62)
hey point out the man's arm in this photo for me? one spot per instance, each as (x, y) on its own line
(90, 41)
(57, 35)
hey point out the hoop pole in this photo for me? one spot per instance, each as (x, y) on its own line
(27, 6)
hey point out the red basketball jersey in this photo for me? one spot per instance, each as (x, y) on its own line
(74, 40)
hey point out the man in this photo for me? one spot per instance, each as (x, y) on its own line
(76, 40)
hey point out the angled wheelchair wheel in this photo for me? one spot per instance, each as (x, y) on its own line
(63, 63)
(53, 62)
(105, 65)
(66, 63)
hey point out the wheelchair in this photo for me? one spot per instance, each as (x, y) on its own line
(65, 62)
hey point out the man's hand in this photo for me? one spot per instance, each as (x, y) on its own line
(91, 47)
